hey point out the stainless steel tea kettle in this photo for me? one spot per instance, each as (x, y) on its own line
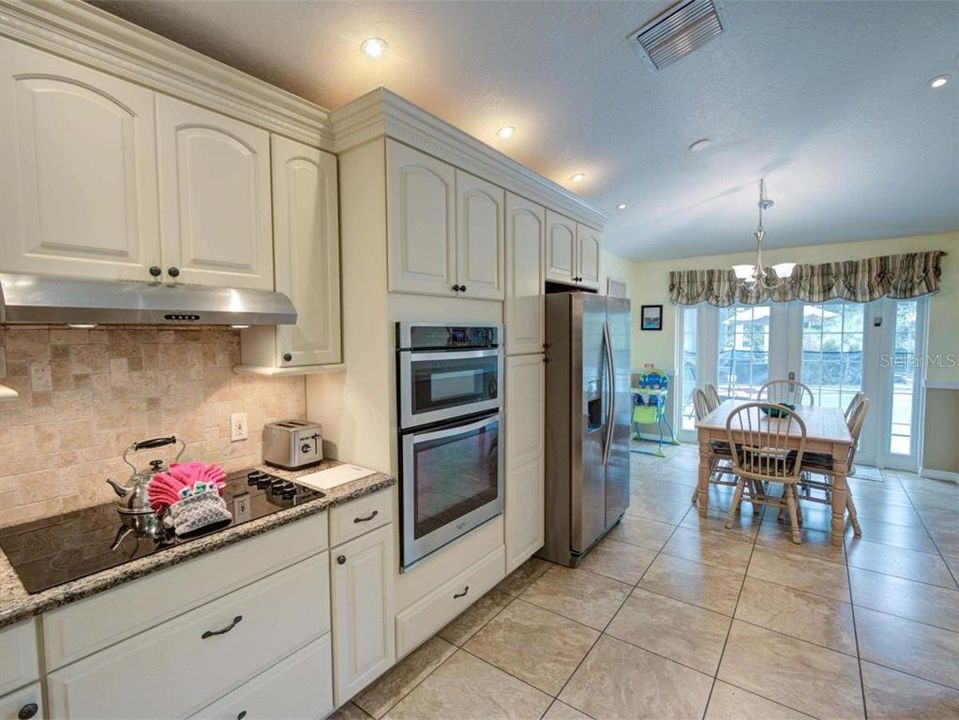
(133, 496)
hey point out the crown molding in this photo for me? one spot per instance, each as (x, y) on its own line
(94, 37)
(382, 112)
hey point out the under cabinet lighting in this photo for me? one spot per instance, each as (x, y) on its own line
(81, 326)
(240, 327)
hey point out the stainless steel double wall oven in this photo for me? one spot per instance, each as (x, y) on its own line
(449, 379)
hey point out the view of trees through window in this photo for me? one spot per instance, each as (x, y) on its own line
(832, 338)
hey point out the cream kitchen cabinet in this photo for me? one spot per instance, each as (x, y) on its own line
(525, 451)
(587, 256)
(306, 240)
(24, 704)
(479, 237)
(446, 232)
(572, 252)
(421, 205)
(215, 198)
(364, 639)
(77, 169)
(525, 255)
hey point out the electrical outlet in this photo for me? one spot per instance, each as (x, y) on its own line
(238, 428)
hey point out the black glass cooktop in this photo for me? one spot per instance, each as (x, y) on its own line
(49, 552)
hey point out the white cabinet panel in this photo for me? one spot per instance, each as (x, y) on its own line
(560, 247)
(215, 204)
(25, 703)
(300, 686)
(364, 642)
(525, 448)
(19, 659)
(525, 255)
(422, 233)
(78, 159)
(479, 246)
(307, 250)
(359, 516)
(587, 256)
(184, 664)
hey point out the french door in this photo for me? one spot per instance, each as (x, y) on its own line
(837, 348)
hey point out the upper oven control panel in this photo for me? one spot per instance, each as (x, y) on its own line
(427, 336)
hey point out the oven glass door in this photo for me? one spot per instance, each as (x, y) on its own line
(439, 386)
(452, 482)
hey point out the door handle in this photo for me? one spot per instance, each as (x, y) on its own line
(611, 408)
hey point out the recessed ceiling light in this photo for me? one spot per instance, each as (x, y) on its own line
(506, 132)
(374, 47)
(578, 177)
(621, 206)
(938, 81)
(700, 145)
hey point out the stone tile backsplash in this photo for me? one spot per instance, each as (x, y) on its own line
(85, 395)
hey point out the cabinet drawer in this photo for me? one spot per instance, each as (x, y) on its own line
(359, 516)
(424, 617)
(22, 701)
(301, 686)
(78, 629)
(18, 656)
(178, 667)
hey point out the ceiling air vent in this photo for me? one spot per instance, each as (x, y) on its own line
(682, 29)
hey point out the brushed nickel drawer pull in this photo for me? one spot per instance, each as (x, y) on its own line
(462, 594)
(367, 518)
(223, 631)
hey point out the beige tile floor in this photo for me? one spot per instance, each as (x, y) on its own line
(673, 616)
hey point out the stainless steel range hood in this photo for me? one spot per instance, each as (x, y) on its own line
(45, 300)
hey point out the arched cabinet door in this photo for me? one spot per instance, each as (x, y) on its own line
(560, 247)
(307, 244)
(78, 179)
(479, 246)
(422, 222)
(588, 256)
(525, 250)
(215, 206)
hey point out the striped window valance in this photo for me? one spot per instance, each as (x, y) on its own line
(909, 275)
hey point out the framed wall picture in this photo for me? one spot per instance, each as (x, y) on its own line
(651, 317)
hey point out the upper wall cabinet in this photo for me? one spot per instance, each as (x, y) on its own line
(78, 174)
(572, 252)
(421, 203)
(479, 237)
(214, 188)
(587, 256)
(307, 242)
(560, 247)
(525, 252)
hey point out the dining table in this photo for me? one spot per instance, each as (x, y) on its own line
(826, 433)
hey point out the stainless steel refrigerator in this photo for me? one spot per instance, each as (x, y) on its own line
(588, 406)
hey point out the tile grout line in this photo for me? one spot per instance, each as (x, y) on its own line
(933, 539)
(729, 630)
(855, 635)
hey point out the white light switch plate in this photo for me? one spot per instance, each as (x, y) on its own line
(238, 428)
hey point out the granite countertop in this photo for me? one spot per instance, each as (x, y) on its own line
(17, 604)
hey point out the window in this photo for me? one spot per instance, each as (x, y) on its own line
(690, 371)
(904, 371)
(743, 339)
(832, 343)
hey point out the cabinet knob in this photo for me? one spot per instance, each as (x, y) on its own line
(456, 288)
(287, 357)
(28, 711)
(240, 715)
(462, 288)
(173, 272)
(156, 270)
(341, 559)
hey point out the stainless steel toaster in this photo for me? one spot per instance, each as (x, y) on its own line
(292, 444)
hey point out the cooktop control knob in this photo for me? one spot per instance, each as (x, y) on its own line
(289, 492)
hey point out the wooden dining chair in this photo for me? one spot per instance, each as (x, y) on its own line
(719, 452)
(854, 404)
(786, 391)
(819, 464)
(712, 397)
(763, 457)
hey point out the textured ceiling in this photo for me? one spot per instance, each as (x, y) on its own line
(828, 100)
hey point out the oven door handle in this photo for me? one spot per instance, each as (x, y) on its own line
(453, 430)
(417, 356)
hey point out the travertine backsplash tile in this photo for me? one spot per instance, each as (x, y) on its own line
(85, 395)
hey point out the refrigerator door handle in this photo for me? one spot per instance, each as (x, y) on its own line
(611, 405)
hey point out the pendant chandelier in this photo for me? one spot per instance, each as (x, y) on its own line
(758, 273)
